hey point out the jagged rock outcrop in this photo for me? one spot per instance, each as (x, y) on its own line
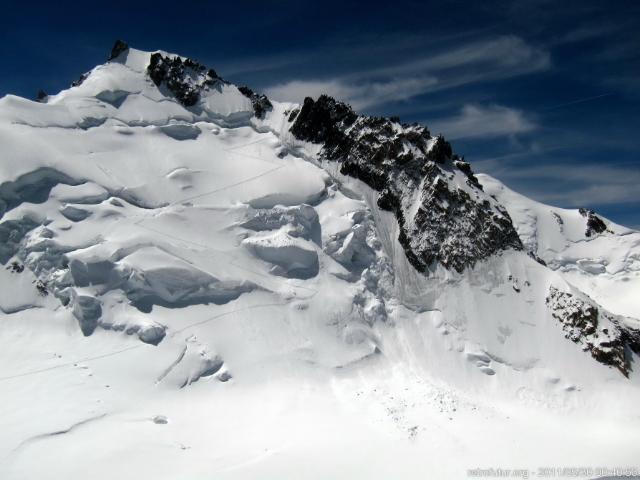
(185, 79)
(119, 47)
(443, 214)
(260, 102)
(595, 224)
(600, 333)
(80, 80)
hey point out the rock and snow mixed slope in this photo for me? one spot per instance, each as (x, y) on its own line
(605, 264)
(200, 282)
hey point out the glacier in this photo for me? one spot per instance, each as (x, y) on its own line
(199, 282)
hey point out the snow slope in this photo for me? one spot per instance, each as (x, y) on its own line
(194, 292)
(606, 266)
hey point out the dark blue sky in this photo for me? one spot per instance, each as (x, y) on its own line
(544, 95)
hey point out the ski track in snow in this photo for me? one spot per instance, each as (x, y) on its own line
(72, 363)
(51, 435)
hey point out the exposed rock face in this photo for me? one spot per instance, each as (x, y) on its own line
(118, 48)
(443, 214)
(184, 79)
(80, 80)
(600, 333)
(324, 121)
(260, 102)
(595, 224)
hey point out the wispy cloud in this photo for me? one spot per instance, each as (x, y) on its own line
(359, 94)
(479, 61)
(364, 51)
(584, 33)
(628, 83)
(501, 57)
(589, 184)
(579, 100)
(572, 185)
(479, 121)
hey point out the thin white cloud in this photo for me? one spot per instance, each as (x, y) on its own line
(358, 95)
(579, 100)
(297, 90)
(503, 56)
(585, 32)
(569, 185)
(380, 49)
(628, 83)
(602, 191)
(480, 121)
(485, 60)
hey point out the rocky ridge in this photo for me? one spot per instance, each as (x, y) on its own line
(599, 332)
(455, 223)
(595, 225)
(184, 79)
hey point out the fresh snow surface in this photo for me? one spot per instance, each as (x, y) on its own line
(216, 302)
(605, 266)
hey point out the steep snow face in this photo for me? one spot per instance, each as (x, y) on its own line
(169, 239)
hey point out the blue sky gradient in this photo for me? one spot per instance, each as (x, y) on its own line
(542, 94)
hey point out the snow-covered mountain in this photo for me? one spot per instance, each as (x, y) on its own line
(202, 283)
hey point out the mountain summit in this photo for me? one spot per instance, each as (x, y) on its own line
(246, 287)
